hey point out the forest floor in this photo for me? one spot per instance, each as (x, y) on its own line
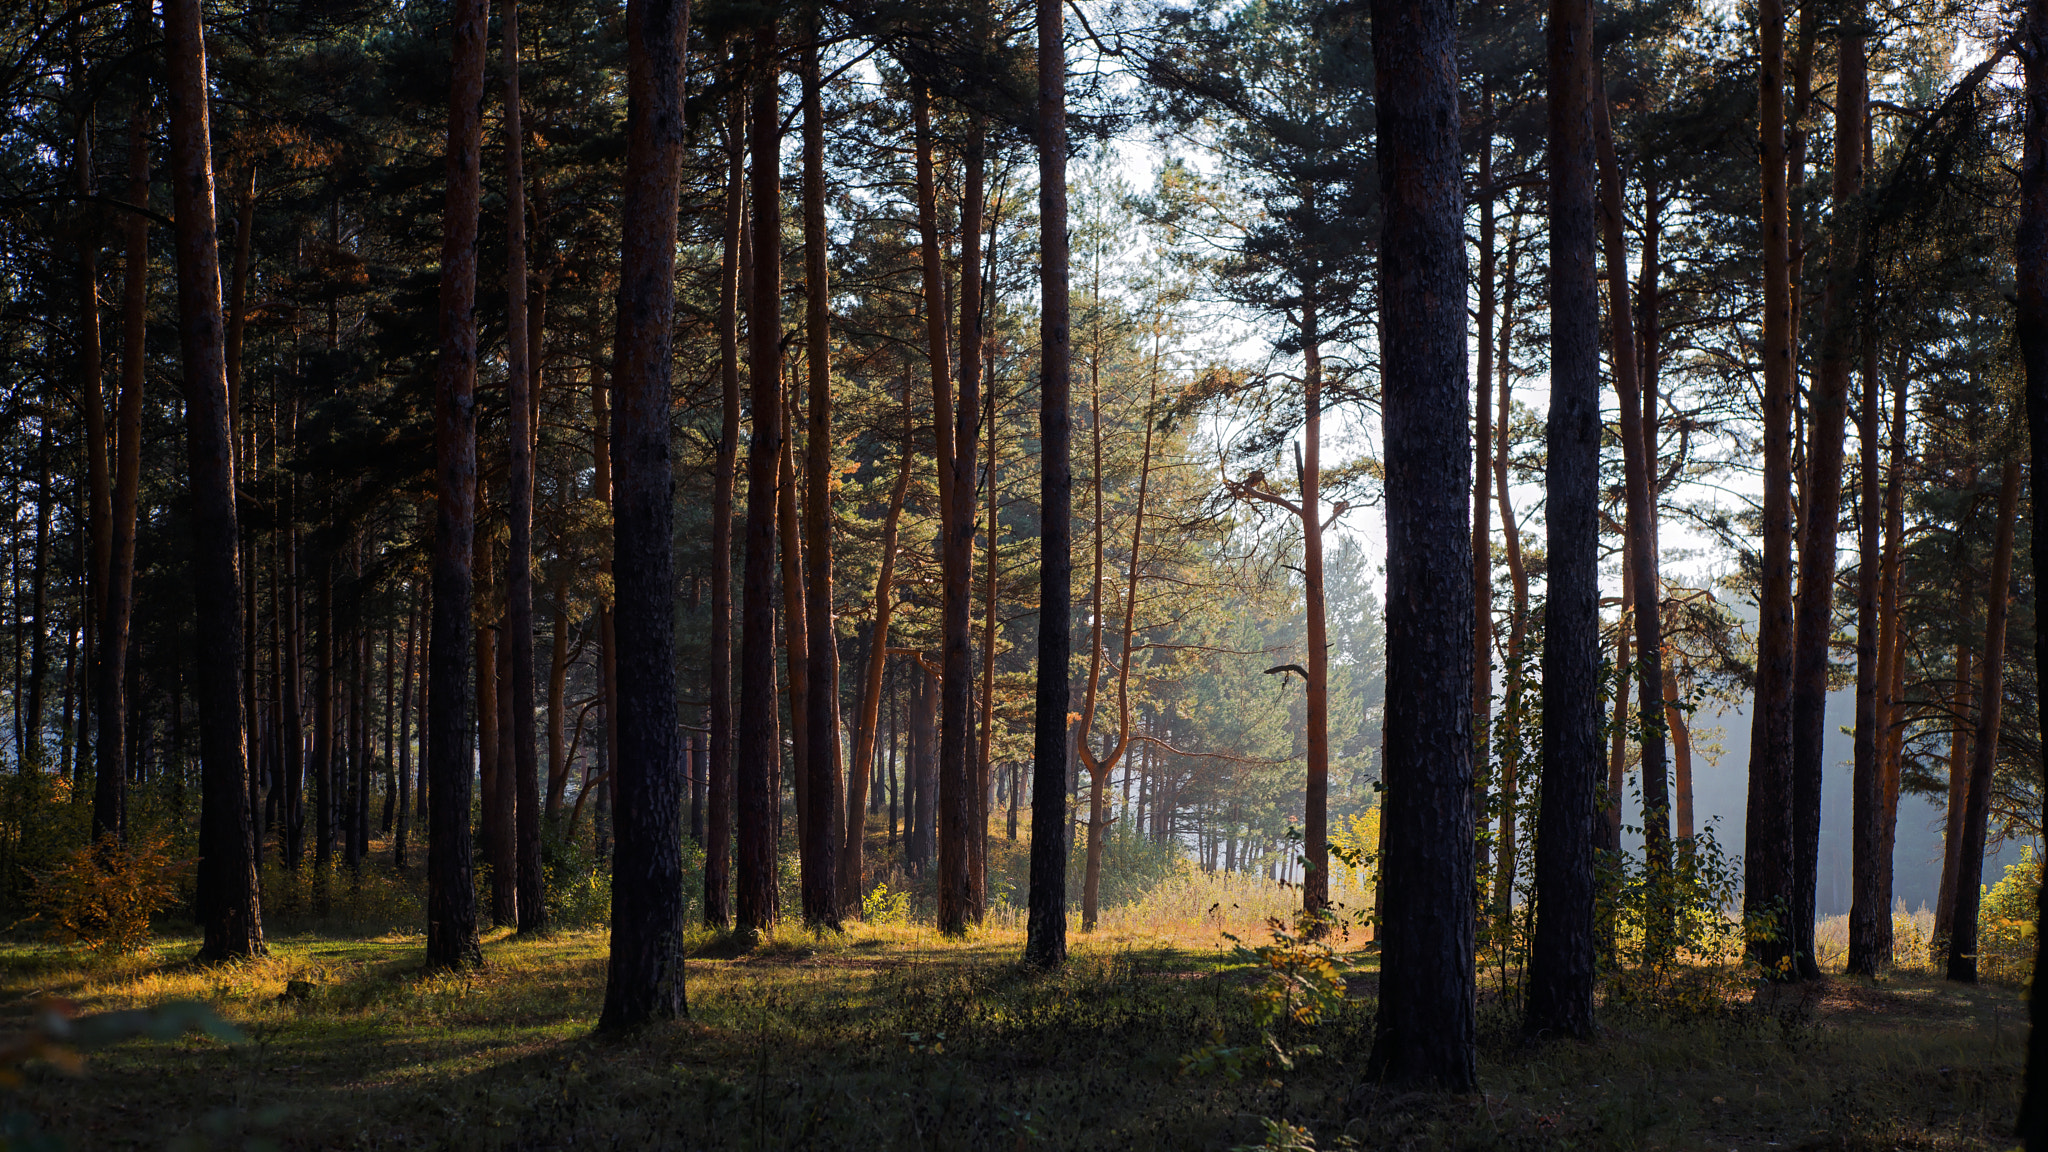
(888, 1038)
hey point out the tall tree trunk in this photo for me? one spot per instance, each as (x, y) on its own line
(322, 769)
(110, 791)
(645, 981)
(1045, 942)
(852, 884)
(1561, 955)
(230, 911)
(1870, 911)
(1822, 494)
(719, 802)
(953, 433)
(405, 698)
(39, 644)
(1962, 939)
(451, 894)
(519, 398)
(973, 207)
(558, 715)
(1768, 862)
(118, 606)
(795, 638)
(827, 811)
(1425, 1033)
(1639, 470)
(1959, 760)
(500, 805)
(2031, 252)
(1512, 705)
(1315, 831)
(759, 753)
(1482, 489)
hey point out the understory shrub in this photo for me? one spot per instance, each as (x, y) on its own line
(101, 896)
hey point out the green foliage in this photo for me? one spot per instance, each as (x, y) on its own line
(2006, 923)
(1299, 983)
(885, 907)
(100, 897)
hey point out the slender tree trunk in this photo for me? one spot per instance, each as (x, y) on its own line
(118, 606)
(852, 883)
(1822, 494)
(2031, 251)
(1639, 469)
(795, 639)
(558, 717)
(1870, 912)
(1482, 489)
(451, 894)
(1959, 761)
(1512, 696)
(1315, 831)
(1560, 998)
(110, 792)
(645, 980)
(1962, 940)
(500, 805)
(719, 803)
(405, 697)
(519, 399)
(827, 812)
(1768, 863)
(1045, 944)
(322, 769)
(759, 754)
(39, 660)
(973, 209)
(1425, 1033)
(229, 906)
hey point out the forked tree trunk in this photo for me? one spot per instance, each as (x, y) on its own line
(1962, 938)
(644, 981)
(1821, 502)
(451, 894)
(1425, 1033)
(759, 751)
(229, 907)
(1045, 943)
(1561, 955)
(1639, 471)
(956, 542)
(1768, 862)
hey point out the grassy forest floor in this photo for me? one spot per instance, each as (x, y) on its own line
(888, 1038)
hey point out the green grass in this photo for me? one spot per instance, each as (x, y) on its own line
(891, 1038)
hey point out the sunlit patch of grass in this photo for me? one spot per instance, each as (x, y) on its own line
(893, 1036)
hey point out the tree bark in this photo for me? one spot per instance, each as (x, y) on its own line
(1512, 695)
(852, 884)
(116, 609)
(110, 791)
(230, 911)
(1561, 955)
(451, 894)
(828, 814)
(759, 754)
(795, 637)
(519, 399)
(1425, 1033)
(1962, 939)
(973, 206)
(1639, 472)
(1482, 490)
(1045, 943)
(2031, 258)
(645, 979)
(1827, 410)
(719, 802)
(405, 698)
(1768, 862)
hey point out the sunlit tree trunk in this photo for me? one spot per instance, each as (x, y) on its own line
(758, 750)
(828, 814)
